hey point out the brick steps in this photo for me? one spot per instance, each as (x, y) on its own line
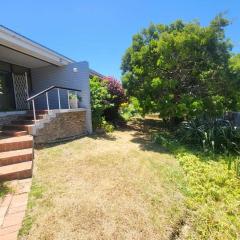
(24, 122)
(16, 156)
(16, 143)
(14, 133)
(16, 171)
(31, 117)
(19, 127)
(16, 147)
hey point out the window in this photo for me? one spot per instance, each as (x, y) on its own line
(6, 91)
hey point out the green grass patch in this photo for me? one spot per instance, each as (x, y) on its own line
(4, 189)
(213, 192)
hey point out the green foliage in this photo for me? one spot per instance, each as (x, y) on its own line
(4, 189)
(75, 96)
(212, 192)
(234, 64)
(108, 127)
(216, 135)
(118, 97)
(181, 70)
(99, 102)
(106, 97)
(130, 109)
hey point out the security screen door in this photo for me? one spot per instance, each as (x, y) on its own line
(20, 84)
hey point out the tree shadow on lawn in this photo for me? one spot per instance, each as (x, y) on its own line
(143, 131)
(146, 128)
(102, 136)
(146, 143)
(66, 141)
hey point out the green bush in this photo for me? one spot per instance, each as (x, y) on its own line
(106, 97)
(212, 191)
(99, 101)
(216, 135)
(130, 109)
(213, 136)
(108, 127)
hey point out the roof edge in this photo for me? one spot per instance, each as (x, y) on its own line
(95, 73)
(32, 44)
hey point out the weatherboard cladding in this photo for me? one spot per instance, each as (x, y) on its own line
(65, 76)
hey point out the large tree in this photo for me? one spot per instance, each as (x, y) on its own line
(180, 70)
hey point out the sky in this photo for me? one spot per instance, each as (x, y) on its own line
(100, 31)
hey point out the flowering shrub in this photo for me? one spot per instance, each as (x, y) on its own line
(116, 90)
(117, 97)
(106, 97)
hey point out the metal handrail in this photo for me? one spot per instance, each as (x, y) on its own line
(46, 91)
(49, 89)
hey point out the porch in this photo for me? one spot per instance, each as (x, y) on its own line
(27, 93)
(28, 68)
(44, 97)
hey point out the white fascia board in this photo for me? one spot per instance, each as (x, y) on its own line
(19, 43)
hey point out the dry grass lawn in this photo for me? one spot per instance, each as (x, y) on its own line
(120, 186)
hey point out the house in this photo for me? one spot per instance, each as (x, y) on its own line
(39, 92)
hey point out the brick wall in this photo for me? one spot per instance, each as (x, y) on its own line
(64, 126)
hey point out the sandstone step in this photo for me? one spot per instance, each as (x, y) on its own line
(14, 133)
(17, 127)
(16, 171)
(16, 156)
(16, 143)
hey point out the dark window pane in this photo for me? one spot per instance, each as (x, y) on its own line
(6, 92)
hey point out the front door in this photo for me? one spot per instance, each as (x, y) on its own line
(20, 84)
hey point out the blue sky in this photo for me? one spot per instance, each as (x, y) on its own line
(100, 31)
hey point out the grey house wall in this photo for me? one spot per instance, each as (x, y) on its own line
(74, 75)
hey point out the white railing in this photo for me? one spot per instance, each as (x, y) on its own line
(46, 91)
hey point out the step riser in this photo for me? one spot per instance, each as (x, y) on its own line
(31, 117)
(38, 112)
(24, 122)
(16, 175)
(15, 159)
(15, 146)
(21, 128)
(15, 134)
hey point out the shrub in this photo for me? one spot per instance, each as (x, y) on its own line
(216, 135)
(130, 109)
(99, 101)
(106, 126)
(117, 97)
(211, 191)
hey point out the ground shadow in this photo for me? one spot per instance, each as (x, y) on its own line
(146, 143)
(142, 129)
(95, 136)
(101, 136)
